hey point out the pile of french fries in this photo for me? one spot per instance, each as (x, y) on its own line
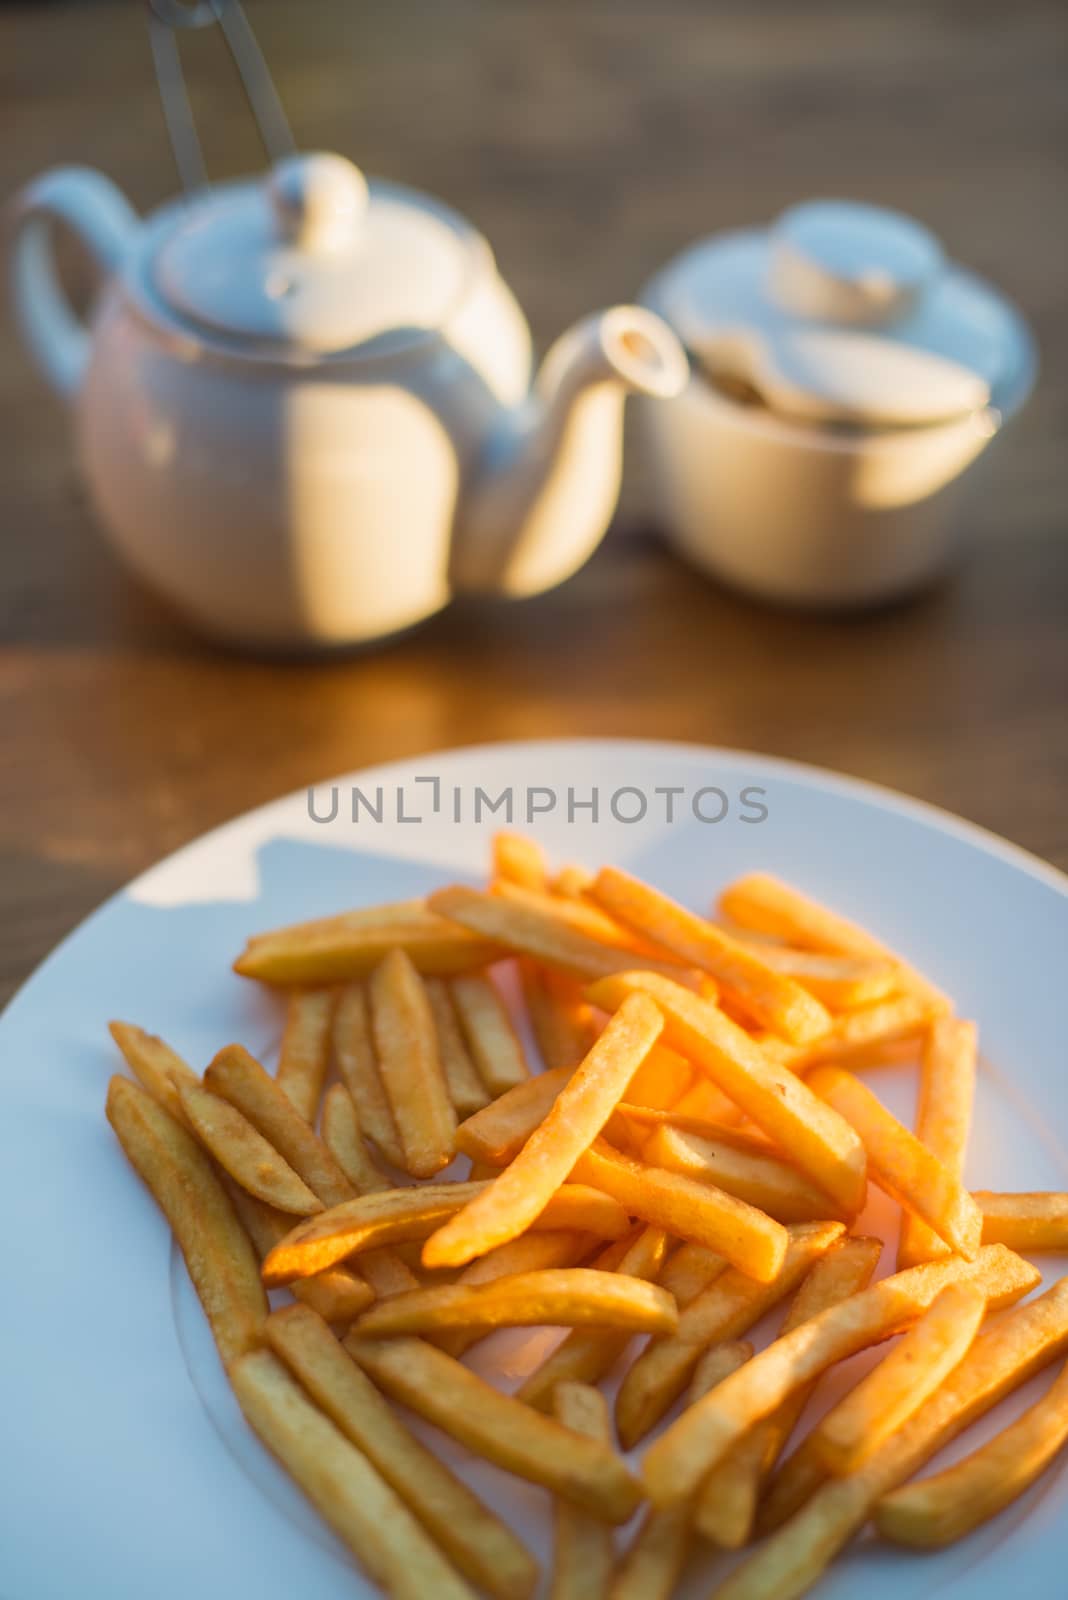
(691, 1152)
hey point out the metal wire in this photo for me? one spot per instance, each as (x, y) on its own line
(165, 19)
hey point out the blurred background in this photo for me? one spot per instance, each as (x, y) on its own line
(590, 140)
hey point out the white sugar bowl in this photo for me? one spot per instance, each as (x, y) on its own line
(844, 375)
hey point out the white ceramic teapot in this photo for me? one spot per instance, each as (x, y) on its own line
(844, 377)
(303, 404)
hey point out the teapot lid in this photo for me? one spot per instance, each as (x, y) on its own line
(853, 307)
(315, 258)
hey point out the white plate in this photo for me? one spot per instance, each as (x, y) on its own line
(117, 1480)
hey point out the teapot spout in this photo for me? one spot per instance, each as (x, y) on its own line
(544, 489)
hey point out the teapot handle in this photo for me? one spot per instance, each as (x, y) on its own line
(99, 214)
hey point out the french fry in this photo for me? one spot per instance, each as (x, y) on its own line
(1029, 1222)
(703, 1099)
(678, 1116)
(395, 1216)
(500, 1428)
(304, 1058)
(587, 1355)
(1002, 1357)
(572, 881)
(902, 1381)
(730, 1305)
(338, 1295)
(901, 1166)
(531, 1252)
(539, 930)
(354, 1052)
(661, 1080)
(473, 1538)
(950, 1504)
(769, 997)
(511, 1203)
(726, 1505)
(840, 982)
(943, 1118)
(343, 1137)
(583, 1555)
(487, 1028)
(820, 1142)
(676, 1463)
(406, 1045)
(238, 1077)
(157, 1067)
(584, 915)
(760, 1180)
(342, 1484)
(563, 1022)
(244, 1153)
(689, 1270)
(855, 1036)
(519, 860)
(766, 905)
(342, 948)
(561, 1297)
(749, 1239)
(217, 1250)
(498, 1133)
(653, 1565)
(466, 1089)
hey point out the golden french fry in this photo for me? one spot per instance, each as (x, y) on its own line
(584, 915)
(511, 1203)
(357, 1063)
(943, 1118)
(243, 1152)
(540, 930)
(586, 1355)
(342, 1484)
(218, 1253)
(770, 997)
(766, 905)
(238, 1077)
(1002, 1358)
(466, 1089)
(952, 1503)
(498, 1133)
(343, 1137)
(406, 1045)
(730, 1305)
(902, 1381)
(500, 1428)
(726, 1504)
(572, 881)
(761, 1180)
(342, 948)
(676, 1463)
(820, 1142)
(1029, 1222)
(856, 1036)
(304, 1058)
(900, 1164)
(561, 1297)
(583, 1555)
(661, 1080)
(840, 982)
(338, 1295)
(531, 1252)
(487, 1028)
(689, 1270)
(519, 860)
(749, 1239)
(158, 1068)
(394, 1216)
(474, 1539)
(563, 1022)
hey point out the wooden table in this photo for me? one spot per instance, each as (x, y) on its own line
(590, 141)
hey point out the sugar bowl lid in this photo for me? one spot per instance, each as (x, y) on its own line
(841, 312)
(314, 258)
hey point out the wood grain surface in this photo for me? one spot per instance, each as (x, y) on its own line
(590, 141)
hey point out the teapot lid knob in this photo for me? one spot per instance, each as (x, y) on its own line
(839, 261)
(319, 202)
